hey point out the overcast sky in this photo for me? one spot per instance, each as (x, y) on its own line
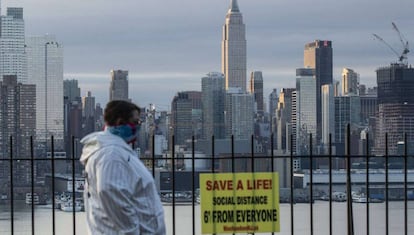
(169, 45)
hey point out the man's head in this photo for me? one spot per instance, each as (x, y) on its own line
(120, 112)
(122, 119)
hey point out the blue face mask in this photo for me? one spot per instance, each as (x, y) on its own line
(127, 132)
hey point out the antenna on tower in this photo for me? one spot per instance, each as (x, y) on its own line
(402, 56)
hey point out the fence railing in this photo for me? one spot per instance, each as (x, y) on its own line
(174, 184)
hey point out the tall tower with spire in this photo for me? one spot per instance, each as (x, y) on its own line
(233, 48)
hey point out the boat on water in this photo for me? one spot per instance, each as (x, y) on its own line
(336, 197)
(362, 198)
(359, 197)
(32, 199)
(177, 198)
(64, 202)
(70, 207)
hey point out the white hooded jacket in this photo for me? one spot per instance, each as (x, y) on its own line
(120, 194)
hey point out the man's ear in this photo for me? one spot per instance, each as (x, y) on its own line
(119, 121)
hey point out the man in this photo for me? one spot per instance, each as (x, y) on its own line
(120, 193)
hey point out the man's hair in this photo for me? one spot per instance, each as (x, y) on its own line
(119, 109)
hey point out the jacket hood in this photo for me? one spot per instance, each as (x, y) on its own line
(97, 140)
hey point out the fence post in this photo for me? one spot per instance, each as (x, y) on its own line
(311, 182)
(32, 182)
(233, 169)
(153, 154)
(405, 185)
(252, 155)
(367, 181)
(348, 181)
(386, 185)
(330, 184)
(193, 181)
(292, 200)
(173, 180)
(11, 187)
(73, 186)
(53, 183)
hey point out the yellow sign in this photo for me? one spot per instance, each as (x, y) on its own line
(239, 203)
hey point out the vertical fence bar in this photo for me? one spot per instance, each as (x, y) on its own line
(173, 181)
(386, 186)
(193, 181)
(330, 184)
(212, 153)
(252, 156)
(212, 165)
(405, 185)
(350, 217)
(73, 186)
(367, 180)
(153, 154)
(11, 187)
(252, 150)
(292, 200)
(233, 169)
(53, 183)
(311, 182)
(272, 164)
(32, 182)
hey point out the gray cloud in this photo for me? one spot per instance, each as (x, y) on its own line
(161, 39)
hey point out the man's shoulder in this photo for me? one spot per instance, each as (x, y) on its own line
(112, 154)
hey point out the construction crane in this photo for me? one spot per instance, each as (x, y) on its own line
(402, 57)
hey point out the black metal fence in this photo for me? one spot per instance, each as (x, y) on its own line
(252, 163)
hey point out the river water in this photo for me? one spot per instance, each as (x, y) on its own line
(183, 219)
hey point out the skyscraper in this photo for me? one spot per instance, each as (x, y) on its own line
(181, 112)
(118, 89)
(233, 48)
(347, 111)
(213, 99)
(72, 115)
(306, 117)
(328, 113)
(88, 107)
(71, 89)
(12, 44)
(256, 88)
(318, 55)
(17, 119)
(395, 107)
(284, 117)
(45, 70)
(273, 100)
(239, 114)
(350, 82)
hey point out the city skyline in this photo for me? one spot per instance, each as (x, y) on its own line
(157, 44)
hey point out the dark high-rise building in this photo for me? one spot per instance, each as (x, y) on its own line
(369, 107)
(318, 55)
(213, 100)
(71, 89)
(72, 115)
(17, 120)
(100, 123)
(347, 111)
(182, 121)
(256, 88)
(284, 117)
(273, 100)
(118, 89)
(395, 107)
(88, 113)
